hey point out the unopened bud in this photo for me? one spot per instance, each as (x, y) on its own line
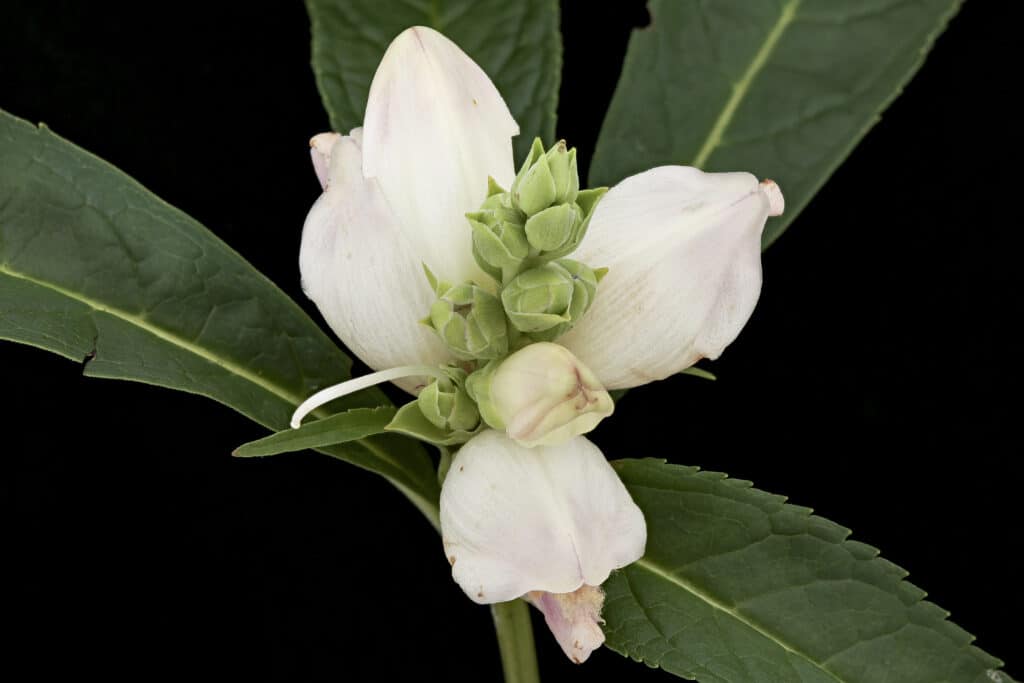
(445, 403)
(540, 395)
(553, 228)
(534, 188)
(562, 163)
(545, 302)
(469, 320)
(499, 238)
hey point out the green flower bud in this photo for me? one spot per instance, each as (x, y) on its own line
(447, 405)
(534, 188)
(562, 163)
(499, 241)
(469, 320)
(540, 395)
(553, 228)
(545, 302)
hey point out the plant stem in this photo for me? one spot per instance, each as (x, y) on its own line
(515, 640)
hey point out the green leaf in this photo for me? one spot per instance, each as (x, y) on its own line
(97, 269)
(518, 44)
(337, 429)
(739, 586)
(784, 90)
(699, 372)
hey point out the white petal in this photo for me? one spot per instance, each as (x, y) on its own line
(361, 273)
(320, 147)
(435, 128)
(549, 518)
(683, 252)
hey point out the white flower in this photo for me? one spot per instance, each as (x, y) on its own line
(543, 520)
(395, 196)
(683, 253)
(682, 249)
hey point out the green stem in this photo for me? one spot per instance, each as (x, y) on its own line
(515, 640)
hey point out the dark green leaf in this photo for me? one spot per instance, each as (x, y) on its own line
(96, 268)
(739, 587)
(517, 43)
(350, 425)
(783, 89)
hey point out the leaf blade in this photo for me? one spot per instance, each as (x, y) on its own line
(518, 44)
(704, 82)
(96, 268)
(738, 585)
(350, 425)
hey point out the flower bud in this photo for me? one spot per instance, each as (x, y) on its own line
(499, 239)
(469, 320)
(562, 164)
(547, 301)
(552, 228)
(534, 188)
(540, 395)
(445, 403)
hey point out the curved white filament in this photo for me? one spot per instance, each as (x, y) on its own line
(359, 383)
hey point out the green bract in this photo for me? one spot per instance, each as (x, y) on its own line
(547, 301)
(478, 386)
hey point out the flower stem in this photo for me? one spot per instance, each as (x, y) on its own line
(515, 640)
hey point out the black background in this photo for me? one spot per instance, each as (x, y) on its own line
(877, 382)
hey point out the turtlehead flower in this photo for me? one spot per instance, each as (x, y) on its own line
(550, 522)
(421, 184)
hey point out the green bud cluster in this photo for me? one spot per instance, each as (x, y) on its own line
(543, 217)
(520, 237)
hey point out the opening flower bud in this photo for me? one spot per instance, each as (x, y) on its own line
(445, 403)
(470, 321)
(540, 395)
(545, 302)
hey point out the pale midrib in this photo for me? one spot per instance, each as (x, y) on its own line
(227, 365)
(740, 87)
(690, 588)
(160, 334)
